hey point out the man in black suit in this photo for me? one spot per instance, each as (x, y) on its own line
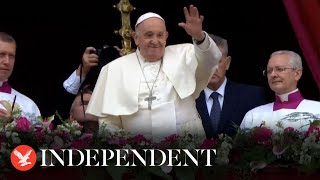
(234, 100)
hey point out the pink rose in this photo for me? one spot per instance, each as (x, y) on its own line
(289, 130)
(167, 141)
(119, 141)
(313, 129)
(40, 136)
(138, 138)
(23, 124)
(170, 139)
(262, 135)
(83, 142)
(290, 135)
(208, 144)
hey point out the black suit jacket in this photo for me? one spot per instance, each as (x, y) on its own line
(238, 100)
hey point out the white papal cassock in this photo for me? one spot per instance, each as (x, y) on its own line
(298, 117)
(119, 96)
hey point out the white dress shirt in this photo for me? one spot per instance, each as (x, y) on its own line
(220, 90)
(72, 84)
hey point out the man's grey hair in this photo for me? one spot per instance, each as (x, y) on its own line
(5, 37)
(295, 59)
(221, 42)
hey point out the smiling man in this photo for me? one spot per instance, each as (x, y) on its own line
(284, 70)
(153, 90)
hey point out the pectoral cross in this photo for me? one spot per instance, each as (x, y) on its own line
(149, 99)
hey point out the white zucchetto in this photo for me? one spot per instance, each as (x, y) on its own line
(147, 16)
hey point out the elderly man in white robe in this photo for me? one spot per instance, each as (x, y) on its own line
(290, 109)
(8, 96)
(153, 90)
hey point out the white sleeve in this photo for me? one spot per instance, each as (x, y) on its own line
(247, 121)
(72, 84)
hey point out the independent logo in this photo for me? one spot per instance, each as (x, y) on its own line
(23, 157)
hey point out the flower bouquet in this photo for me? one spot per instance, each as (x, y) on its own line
(36, 132)
(286, 147)
(179, 166)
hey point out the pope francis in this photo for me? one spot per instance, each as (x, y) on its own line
(153, 90)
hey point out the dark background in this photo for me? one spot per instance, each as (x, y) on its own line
(52, 37)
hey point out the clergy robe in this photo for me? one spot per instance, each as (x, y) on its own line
(297, 118)
(118, 97)
(28, 106)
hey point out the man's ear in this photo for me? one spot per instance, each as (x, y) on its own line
(71, 118)
(228, 61)
(134, 37)
(298, 74)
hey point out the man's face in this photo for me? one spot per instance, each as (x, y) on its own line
(7, 59)
(77, 111)
(151, 38)
(281, 77)
(218, 77)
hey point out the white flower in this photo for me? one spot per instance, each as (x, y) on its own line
(127, 146)
(2, 129)
(8, 134)
(10, 126)
(305, 158)
(16, 140)
(256, 165)
(78, 133)
(279, 149)
(15, 134)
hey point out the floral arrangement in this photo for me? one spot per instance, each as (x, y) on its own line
(124, 140)
(259, 147)
(36, 132)
(245, 154)
(39, 133)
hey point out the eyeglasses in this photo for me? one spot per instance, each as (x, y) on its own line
(277, 70)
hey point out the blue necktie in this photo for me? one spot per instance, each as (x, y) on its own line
(215, 112)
